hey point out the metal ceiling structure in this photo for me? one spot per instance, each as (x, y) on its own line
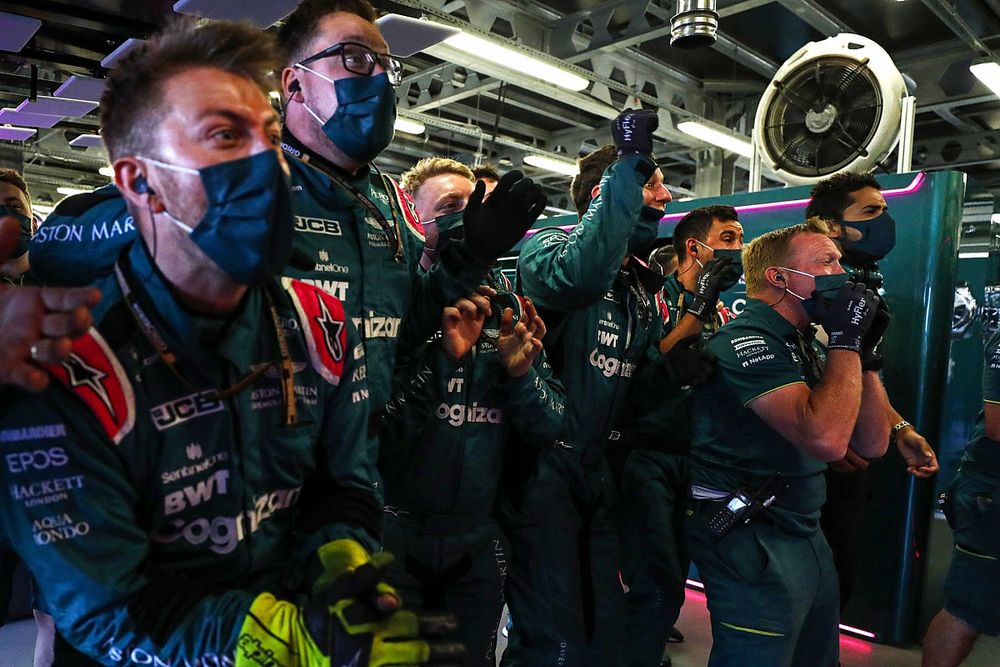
(622, 49)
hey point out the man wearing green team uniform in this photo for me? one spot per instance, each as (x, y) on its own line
(972, 587)
(765, 425)
(655, 434)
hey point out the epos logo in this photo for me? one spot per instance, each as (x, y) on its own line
(38, 459)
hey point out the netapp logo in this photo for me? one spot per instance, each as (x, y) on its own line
(170, 414)
(317, 226)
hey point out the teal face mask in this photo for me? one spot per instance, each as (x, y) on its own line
(645, 232)
(247, 228)
(445, 229)
(827, 286)
(25, 235)
(362, 125)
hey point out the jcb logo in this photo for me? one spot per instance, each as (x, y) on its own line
(181, 410)
(317, 226)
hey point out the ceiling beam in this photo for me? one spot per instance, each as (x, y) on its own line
(812, 13)
(947, 13)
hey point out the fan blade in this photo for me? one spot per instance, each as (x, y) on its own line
(792, 97)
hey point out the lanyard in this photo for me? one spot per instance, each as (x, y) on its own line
(152, 334)
(391, 230)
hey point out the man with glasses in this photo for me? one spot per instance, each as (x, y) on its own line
(354, 223)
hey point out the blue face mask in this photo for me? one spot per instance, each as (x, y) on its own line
(362, 125)
(827, 286)
(25, 235)
(247, 229)
(878, 237)
(645, 232)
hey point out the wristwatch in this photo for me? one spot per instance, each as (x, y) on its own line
(896, 428)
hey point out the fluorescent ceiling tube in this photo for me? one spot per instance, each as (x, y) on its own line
(517, 61)
(726, 140)
(409, 126)
(989, 74)
(558, 166)
(64, 190)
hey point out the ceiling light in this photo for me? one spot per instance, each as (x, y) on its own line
(552, 164)
(989, 74)
(87, 140)
(274, 95)
(409, 126)
(16, 30)
(81, 87)
(57, 106)
(725, 140)
(488, 52)
(261, 14)
(406, 36)
(64, 190)
(12, 133)
(106, 171)
(10, 116)
(111, 60)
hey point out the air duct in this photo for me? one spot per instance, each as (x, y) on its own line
(695, 24)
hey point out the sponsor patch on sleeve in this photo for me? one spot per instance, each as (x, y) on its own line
(324, 325)
(94, 375)
(409, 210)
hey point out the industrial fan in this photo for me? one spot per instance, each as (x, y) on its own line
(834, 106)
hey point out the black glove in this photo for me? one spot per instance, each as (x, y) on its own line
(848, 317)
(871, 353)
(494, 226)
(690, 365)
(632, 131)
(348, 621)
(714, 278)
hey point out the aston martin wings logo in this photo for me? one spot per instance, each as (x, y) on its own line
(82, 374)
(332, 329)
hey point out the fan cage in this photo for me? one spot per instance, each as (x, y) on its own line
(851, 87)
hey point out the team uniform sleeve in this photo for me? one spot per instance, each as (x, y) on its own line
(71, 514)
(753, 363)
(536, 403)
(568, 271)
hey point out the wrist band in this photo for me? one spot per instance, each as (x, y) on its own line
(896, 428)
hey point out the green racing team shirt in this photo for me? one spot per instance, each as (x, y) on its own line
(758, 353)
(151, 512)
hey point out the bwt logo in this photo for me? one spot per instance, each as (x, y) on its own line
(611, 366)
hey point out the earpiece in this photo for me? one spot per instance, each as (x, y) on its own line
(142, 186)
(294, 86)
(779, 277)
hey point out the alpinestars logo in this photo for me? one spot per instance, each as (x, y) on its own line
(83, 375)
(331, 331)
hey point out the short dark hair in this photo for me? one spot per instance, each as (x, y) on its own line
(300, 28)
(132, 102)
(697, 222)
(13, 176)
(487, 171)
(592, 168)
(832, 196)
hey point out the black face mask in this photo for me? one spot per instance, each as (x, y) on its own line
(878, 237)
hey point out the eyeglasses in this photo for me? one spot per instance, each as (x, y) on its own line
(359, 59)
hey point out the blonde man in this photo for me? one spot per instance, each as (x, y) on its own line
(777, 410)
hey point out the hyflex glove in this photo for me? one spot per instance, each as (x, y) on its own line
(871, 353)
(494, 226)
(847, 317)
(352, 619)
(632, 131)
(690, 365)
(715, 277)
